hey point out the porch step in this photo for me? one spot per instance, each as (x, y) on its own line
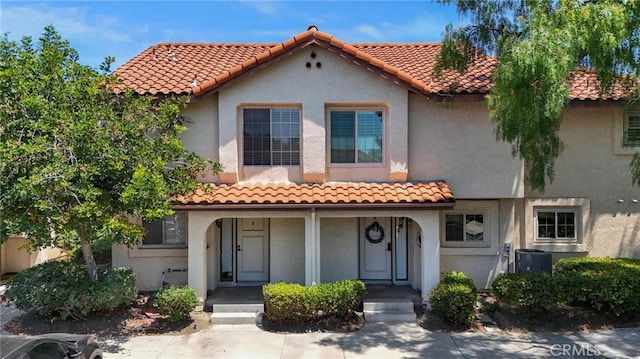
(389, 310)
(250, 313)
(238, 308)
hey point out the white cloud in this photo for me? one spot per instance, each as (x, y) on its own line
(93, 35)
(419, 29)
(71, 22)
(265, 7)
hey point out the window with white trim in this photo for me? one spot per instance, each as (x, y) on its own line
(271, 136)
(631, 130)
(172, 231)
(356, 136)
(465, 229)
(556, 224)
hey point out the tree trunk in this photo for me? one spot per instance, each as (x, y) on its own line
(87, 253)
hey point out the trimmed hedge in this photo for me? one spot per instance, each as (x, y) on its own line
(294, 303)
(611, 284)
(176, 302)
(454, 298)
(62, 289)
(532, 289)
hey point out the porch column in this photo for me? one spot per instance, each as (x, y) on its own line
(429, 222)
(311, 249)
(198, 223)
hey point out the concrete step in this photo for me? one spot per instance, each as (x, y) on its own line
(238, 308)
(388, 317)
(388, 305)
(235, 318)
(389, 310)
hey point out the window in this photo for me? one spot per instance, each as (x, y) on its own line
(552, 224)
(631, 130)
(170, 231)
(271, 136)
(356, 136)
(465, 229)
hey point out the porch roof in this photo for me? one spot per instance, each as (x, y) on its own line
(338, 195)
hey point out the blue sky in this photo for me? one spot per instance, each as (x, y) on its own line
(125, 28)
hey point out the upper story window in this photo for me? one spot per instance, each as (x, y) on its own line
(356, 136)
(170, 231)
(556, 224)
(631, 130)
(271, 136)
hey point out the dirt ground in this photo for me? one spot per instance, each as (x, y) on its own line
(142, 319)
(139, 319)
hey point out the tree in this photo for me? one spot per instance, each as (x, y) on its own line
(540, 44)
(79, 159)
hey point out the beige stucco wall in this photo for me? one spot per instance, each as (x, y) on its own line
(455, 142)
(287, 250)
(15, 257)
(484, 263)
(201, 136)
(594, 167)
(339, 249)
(337, 83)
(149, 263)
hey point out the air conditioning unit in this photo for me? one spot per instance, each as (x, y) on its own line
(533, 260)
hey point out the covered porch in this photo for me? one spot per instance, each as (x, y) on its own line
(314, 233)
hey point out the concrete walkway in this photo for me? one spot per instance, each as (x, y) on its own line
(375, 341)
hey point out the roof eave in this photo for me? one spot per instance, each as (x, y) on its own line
(329, 206)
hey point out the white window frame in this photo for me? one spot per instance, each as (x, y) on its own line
(357, 109)
(556, 210)
(164, 244)
(626, 129)
(486, 231)
(271, 152)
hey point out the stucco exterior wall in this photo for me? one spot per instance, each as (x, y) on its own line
(337, 82)
(455, 142)
(15, 257)
(482, 264)
(287, 250)
(201, 136)
(594, 167)
(149, 263)
(338, 249)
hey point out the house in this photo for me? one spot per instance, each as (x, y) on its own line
(352, 161)
(16, 257)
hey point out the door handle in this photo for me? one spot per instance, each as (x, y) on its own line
(389, 246)
(239, 249)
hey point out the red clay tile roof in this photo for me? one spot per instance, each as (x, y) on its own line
(414, 195)
(200, 68)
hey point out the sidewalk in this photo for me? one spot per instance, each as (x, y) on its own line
(375, 341)
(384, 341)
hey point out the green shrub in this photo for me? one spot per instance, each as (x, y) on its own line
(62, 289)
(609, 284)
(454, 298)
(532, 289)
(294, 303)
(176, 302)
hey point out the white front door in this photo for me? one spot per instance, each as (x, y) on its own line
(252, 250)
(375, 248)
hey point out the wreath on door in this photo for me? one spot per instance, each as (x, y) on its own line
(374, 233)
